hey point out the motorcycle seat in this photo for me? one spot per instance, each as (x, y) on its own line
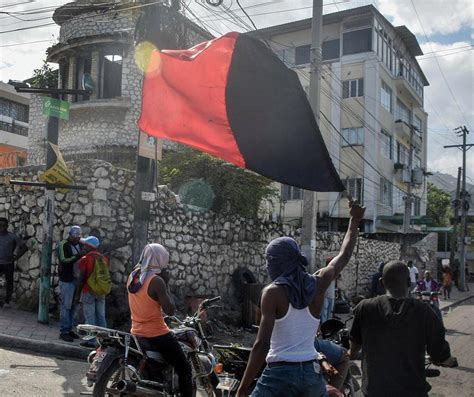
(155, 356)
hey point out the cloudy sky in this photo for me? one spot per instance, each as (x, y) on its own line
(443, 28)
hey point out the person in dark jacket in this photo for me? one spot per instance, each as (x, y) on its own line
(69, 252)
(394, 332)
(376, 287)
(12, 248)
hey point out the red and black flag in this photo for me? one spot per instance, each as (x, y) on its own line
(233, 98)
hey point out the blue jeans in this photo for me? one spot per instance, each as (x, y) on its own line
(93, 307)
(300, 380)
(326, 311)
(66, 308)
(333, 352)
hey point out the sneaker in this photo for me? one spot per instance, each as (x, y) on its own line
(66, 337)
(73, 335)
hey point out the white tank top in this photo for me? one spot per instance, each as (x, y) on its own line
(293, 337)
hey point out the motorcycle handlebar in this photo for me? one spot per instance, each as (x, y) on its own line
(210, 301)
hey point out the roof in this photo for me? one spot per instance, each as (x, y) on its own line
(408, 38)
(8, 91)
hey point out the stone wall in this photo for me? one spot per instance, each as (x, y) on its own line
(205, 248)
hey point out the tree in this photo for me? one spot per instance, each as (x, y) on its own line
(439, 206)
(204, 181)
(44, 77)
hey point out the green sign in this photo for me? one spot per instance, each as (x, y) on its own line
(56, 108)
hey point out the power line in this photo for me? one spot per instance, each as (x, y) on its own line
(439, 66)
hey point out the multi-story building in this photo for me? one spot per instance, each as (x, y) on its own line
(14, 109)
(371, 95)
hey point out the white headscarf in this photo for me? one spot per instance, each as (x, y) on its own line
(154, 257)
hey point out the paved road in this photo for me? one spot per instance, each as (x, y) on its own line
(24, 374)
(459, 381)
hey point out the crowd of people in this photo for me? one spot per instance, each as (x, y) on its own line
(293, 306)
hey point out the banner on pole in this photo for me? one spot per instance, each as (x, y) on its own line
(58, 173)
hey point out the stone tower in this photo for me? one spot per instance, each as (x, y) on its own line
(99, 40)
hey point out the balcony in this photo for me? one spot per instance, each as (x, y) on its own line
(13, 127)
(402, 131)
(402, 85)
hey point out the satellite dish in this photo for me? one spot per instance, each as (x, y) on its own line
(87, 83)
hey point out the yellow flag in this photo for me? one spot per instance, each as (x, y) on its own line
(58, 173)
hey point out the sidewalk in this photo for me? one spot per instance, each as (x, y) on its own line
(20, 329)
(456, 297)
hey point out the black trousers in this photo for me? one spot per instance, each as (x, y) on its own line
(170, 349)
(8, 269)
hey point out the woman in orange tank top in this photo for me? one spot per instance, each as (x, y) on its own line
(148, 297)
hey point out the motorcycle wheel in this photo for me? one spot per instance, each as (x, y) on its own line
(104, 386)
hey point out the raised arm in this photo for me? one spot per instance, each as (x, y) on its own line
(331, 271)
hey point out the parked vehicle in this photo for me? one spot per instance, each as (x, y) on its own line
(337, 332)
(122, 366)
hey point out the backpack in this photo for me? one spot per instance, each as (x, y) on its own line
(99, 281)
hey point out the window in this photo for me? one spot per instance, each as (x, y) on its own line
(83, 66)
(385, 192)
(357, 41)
(416, 207)
(416, 162)
(352, 136)
(302, 54)
(110, 76)
(331, 49)
(353, 88)
(287, 56)
(109, 84)
(386, 144)
(402, 113)
(402, 154)
(15, 110)
(386, 97)
(291, 193)
(418, 124)
(354, 187)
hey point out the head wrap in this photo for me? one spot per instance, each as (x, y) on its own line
(153, 259)
(286, 266)
(91, 240)
(75, 231)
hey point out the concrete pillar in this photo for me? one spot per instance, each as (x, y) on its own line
(71, 83)
(95, 72)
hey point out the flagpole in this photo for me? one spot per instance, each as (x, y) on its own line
(309, 227)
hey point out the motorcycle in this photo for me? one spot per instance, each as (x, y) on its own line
(430, 298)
(337, 332)
(121, 365)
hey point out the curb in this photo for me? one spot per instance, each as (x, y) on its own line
(455, 303)
(43, 347)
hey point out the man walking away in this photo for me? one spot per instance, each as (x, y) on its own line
(394, 332)
(413, 275)
(12, 248)
(291, 306)
(447, 281)
(69, 252)
(94, 284)
(376, 288)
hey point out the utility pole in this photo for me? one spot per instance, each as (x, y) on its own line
(456, 205)
(52, 135)
(308, 234)
(409, 198)
(462, 247)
